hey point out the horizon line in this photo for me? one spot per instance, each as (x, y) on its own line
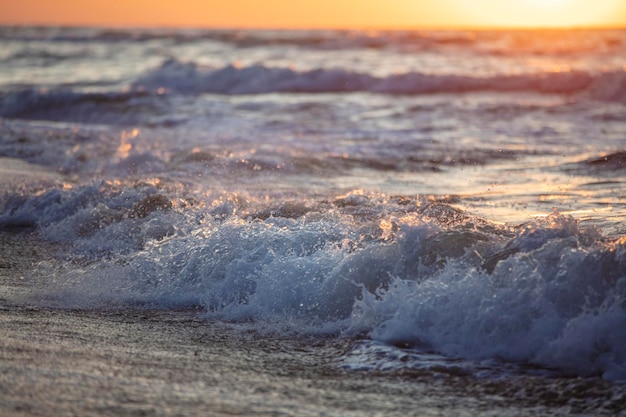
(313, 28)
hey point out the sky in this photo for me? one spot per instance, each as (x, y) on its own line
(317, 13)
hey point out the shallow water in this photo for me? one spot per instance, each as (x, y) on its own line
(441, 202)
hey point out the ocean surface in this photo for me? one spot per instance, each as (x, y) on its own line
(438, 200)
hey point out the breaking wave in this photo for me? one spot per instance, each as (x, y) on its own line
(191, 78)
(400, 271)
(149, 92)
(72, 106)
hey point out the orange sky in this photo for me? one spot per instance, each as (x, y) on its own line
(317, 13)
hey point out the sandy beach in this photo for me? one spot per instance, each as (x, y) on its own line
(15, 173)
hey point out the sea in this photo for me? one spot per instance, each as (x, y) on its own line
(444, 204)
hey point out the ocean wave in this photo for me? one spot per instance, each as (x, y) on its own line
(98, 152)
(97, 34)
(534, 43)
(43, 57)
(611, 162)
(117, 108)
(395, 270)
(610, 86)
(325, 39)
(607, 165)
(190, 78)
(146, 100)
(554, 303)
(409, 41)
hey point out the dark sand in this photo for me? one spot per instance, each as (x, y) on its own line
(56, 362)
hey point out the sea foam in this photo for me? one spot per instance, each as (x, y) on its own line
(548, 293)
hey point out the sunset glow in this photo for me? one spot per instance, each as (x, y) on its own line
(319, 14)
(546, 13)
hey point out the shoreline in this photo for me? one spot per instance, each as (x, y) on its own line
(133, 362)
(170, 363)
(15, 172)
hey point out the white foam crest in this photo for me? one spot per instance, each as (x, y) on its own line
(256, 79)
(550, 294)
(311, 268)
(275, 270)
(96, 220)
(191, 78)
(552, 304)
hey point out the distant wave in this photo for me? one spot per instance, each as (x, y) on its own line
(67, 105)
(605, 165)
(190, 78)
(481, 42)
(175, 77)
(324, 39)
(43, 57)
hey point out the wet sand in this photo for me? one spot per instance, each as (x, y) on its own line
(15, 172)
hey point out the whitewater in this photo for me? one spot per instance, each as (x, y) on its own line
(441, 204)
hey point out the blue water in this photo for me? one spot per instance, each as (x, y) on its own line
(458, 194)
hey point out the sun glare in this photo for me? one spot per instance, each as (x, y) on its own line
(548, 3)
(543, 13)
(319, 14)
